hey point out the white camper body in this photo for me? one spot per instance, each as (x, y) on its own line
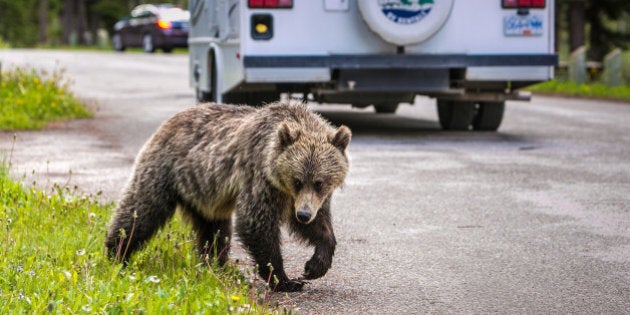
(471, 55)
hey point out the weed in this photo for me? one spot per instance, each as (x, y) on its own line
(29, 99)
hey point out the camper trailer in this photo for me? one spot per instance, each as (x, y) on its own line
(470, 55)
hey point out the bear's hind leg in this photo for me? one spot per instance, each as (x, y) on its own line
(136, 220)
(213, 236)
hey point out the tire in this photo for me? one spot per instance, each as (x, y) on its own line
(456, 115)
(385, 108)
(147, 43)
(489, 116)
(203, 96)
(167, 49)
(117, 42)
(405, 22)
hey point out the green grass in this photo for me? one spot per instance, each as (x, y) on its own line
(52, 259)
(52, 253)
(596, 90)
(30, 99)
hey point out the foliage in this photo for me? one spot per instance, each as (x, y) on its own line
(589, 90)
(604, 38)
(52, 259)
(602, 21)
(27, 23)
(29, 99)
(3, 44)
(18, 22)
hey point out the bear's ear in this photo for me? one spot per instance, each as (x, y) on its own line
(287, 136)
(342, 138)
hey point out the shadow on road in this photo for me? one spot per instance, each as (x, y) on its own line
(397, 127)
(368, 122)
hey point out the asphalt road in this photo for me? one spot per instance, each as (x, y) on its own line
(532, 219)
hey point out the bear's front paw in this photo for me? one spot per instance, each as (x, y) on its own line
(316, 268)
(292, 285)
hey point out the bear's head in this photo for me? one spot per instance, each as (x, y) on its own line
(309, 165)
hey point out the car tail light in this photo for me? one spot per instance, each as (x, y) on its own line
(535, 4)
(271, 4)
(163, 24)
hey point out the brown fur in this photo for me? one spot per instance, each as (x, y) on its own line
(271, 165)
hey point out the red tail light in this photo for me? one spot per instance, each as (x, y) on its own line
(535, 4)
(163, 24)
(271, 4)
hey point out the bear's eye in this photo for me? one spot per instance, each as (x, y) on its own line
(318, 185)
(297, 184)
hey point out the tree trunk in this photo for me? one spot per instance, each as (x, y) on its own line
(577, 33)
(43, 21)
(68, 22)
(560, 22)
(85, 37)
(598, 44)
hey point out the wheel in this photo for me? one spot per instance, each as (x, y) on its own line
(203, 96)
(455, 115)
(147, 43)
(167, 49)
(117, 42)
(385, 108)
(489, 116)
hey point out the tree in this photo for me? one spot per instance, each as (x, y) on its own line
(596, 17)
(42, 20)
(577, 31)
(18, 24)
(603, 37)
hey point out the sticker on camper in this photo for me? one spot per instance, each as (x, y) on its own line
(406, 12)
(528, 25)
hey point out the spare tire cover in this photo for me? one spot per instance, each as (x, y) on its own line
(404, 22)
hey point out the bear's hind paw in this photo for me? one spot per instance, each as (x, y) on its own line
(292, 285)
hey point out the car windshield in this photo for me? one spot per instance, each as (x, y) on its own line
(174, 14)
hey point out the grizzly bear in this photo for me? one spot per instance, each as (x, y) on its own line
(273, 165)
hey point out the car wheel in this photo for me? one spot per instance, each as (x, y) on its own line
(489, 116)
(455, 115)
(147, 43)
(167, 49)
(117, 42)
(385, 108)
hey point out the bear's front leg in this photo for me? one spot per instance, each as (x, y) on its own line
(258, 227)
(318, 233)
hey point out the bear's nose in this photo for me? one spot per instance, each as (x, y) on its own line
(303, 216)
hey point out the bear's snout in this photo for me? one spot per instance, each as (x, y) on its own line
(303, 216)
(306, 205)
